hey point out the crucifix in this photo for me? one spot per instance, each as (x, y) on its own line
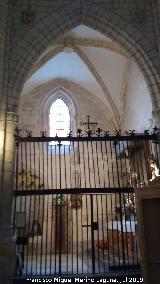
(90, 126)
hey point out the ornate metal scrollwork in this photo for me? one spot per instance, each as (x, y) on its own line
(89, 133)
(17, 132)
(22, 132)
(118, 132)
(106, 133)
(146, 132)
(79, 131)
(29, 133)
(70, 134)
(131, 132)
(156, 133)
(155, 130)
(43, 133)
(99, 131)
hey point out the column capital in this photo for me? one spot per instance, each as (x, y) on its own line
(9, 116)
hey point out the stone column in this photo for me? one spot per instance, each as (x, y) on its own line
(7, 245)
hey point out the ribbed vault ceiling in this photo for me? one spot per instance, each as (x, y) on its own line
(87, 58)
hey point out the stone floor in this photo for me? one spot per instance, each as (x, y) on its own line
(68, 264)
(51, 264)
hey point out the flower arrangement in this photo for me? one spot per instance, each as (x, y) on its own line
(102, 245)
(59, 199)
(129, 211)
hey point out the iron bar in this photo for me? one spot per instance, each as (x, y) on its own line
(80, 195)
(121, 217)
(136, 137)
(73, 190)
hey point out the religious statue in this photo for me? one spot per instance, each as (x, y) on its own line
(76, 201)
(153, 168)
(27, 179)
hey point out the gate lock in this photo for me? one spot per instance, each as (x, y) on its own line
(94, 226)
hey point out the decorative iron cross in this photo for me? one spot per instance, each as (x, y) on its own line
(89, 125)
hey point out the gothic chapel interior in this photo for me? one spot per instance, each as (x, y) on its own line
(79, 140)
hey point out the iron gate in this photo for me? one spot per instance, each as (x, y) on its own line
(74, 210)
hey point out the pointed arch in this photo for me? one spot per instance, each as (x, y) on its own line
(59, 120)
(108, 23)
(50, 112)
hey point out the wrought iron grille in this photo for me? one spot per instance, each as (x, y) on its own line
(74, 210)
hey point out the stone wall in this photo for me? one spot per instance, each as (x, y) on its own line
(32, 107)
(141, 18)
(138, 107)
(130, 23)
(138, 13)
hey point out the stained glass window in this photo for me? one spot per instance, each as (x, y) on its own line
(59, 120)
